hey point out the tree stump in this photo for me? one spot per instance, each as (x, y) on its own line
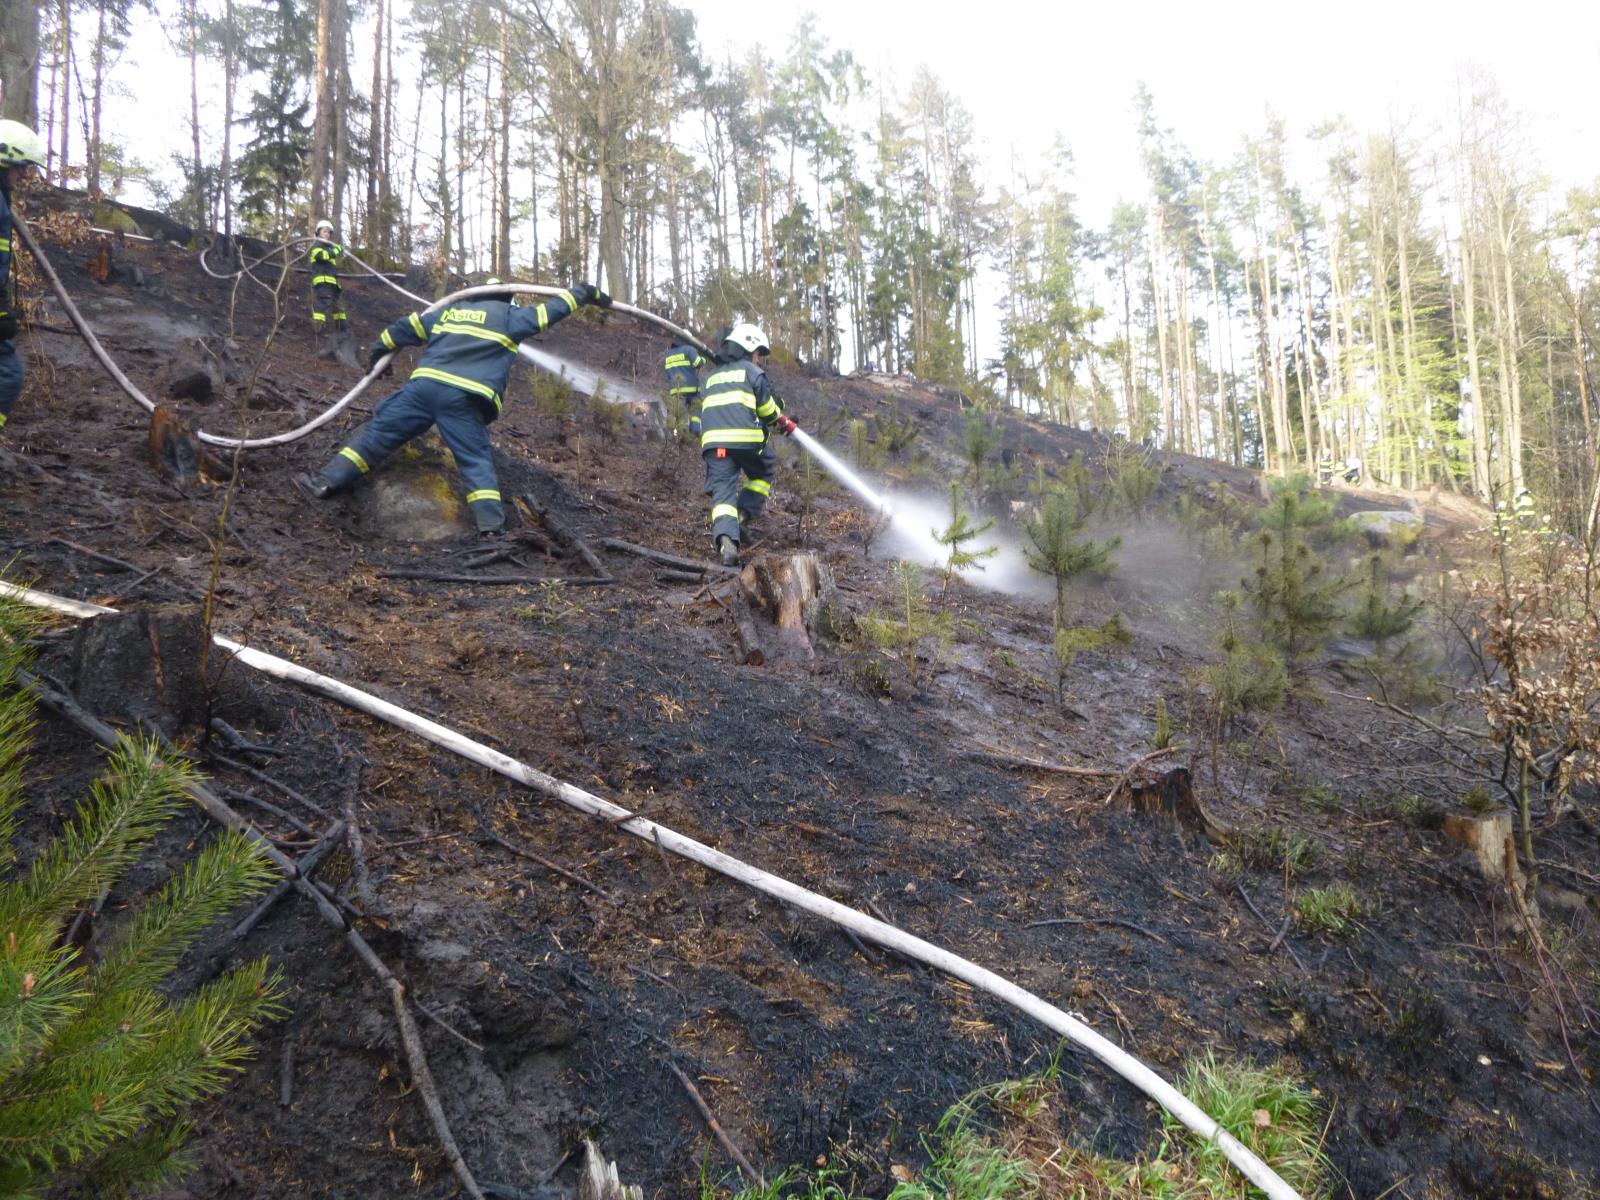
(600, 1180)
(144, 667)
(179, 456)
(791, 592)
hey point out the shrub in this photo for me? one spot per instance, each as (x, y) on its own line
(96, 1063)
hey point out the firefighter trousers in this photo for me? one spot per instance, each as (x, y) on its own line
(731, 504)
(11, 375)
(420, 405)
(327, 300)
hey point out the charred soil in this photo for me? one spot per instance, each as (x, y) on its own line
(1426, 1031)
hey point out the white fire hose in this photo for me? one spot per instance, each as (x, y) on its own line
(1068, 1025)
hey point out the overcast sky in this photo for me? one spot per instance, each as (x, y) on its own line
(1028, 71)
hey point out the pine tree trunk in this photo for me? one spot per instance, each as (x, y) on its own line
(377, 164)
(66, 85)
(322, 124)
(502, 263)
(93, 176)
(19, 62)
(230, 73)
(191, 21)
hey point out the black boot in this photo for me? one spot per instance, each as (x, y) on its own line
(312, 489)
(727, 550)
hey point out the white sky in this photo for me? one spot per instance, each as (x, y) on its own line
(1028, 71)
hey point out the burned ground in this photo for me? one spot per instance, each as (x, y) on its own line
(1439, 1057)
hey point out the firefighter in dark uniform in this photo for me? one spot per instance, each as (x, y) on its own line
(459, 386)
(20, 149)
(682, 364)
(327, 295)
(737, 409)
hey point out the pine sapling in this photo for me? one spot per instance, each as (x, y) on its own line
(1296, 601)
(955, 537)
(1056, 547)
(96, 1061)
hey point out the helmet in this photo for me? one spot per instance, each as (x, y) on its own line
(491, 281)
(748, 336)
(19, 145)
(324, 224)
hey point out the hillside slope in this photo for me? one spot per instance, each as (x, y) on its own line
(1442, 1068)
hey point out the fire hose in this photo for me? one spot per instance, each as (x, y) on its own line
(1068, 1025)
(338, 406)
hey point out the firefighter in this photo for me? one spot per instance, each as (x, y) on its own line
(327, 296)
(458, 385)
(682, 364)
(20, 149)
(737, 410)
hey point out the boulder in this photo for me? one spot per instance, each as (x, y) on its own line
(193, 372)
(414, 497)
(1388, 527)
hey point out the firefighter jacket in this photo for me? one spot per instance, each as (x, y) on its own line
(683, 363)
(472, 344)
(737, 405)
(325, 258)
(8, 318)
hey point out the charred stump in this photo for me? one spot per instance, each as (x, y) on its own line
(145, 667)
(1172, 796)
(179, 456)
(791, 593)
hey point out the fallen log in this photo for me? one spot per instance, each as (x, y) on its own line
(449, 577)
(565, 533)
(665, 559)
(744, 627)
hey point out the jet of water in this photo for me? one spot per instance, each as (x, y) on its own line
(587, 380)
(913, 529)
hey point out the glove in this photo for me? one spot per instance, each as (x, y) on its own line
(785, 424)
(379, 350)
(587, 293)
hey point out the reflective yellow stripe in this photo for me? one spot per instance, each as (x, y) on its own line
(685, 391)
(760, 486)
(460, 381)
(769, 409)
(316, 279)
(317, 316)
(355, 458)
(731, 437)
(724, 510)
(745, 398)
(543, 313)
(416, 324)
(5, 244)
(735, 376)
(484, 494)
(487, 335)
(677, 360)
(2, 420)
(572, 301)
(387, 340)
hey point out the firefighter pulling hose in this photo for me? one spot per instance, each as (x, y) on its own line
(338, 406)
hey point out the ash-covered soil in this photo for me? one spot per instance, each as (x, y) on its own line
(1428, 1031)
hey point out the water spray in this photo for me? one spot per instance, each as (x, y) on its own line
(914, 523)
